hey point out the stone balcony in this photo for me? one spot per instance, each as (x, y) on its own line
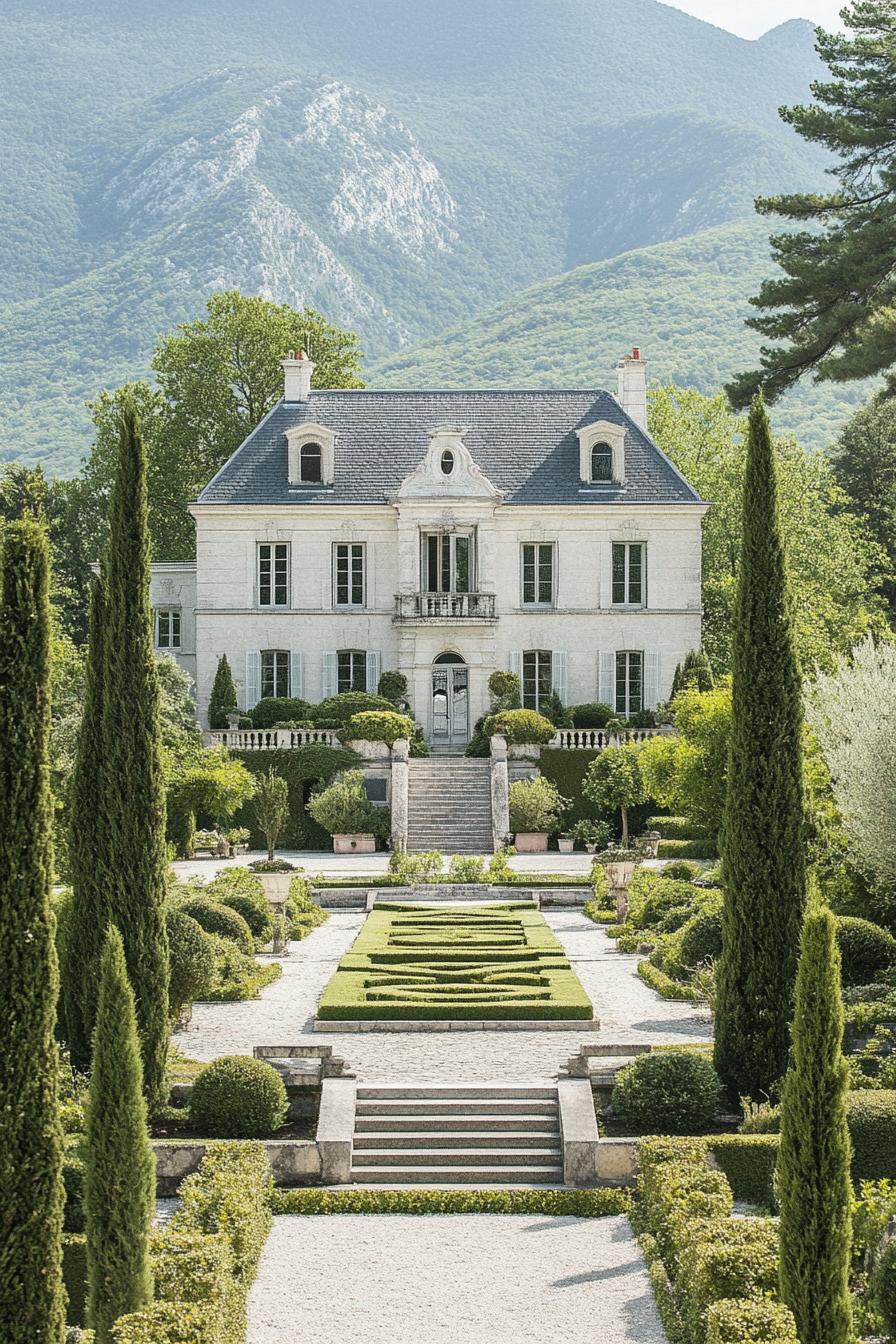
(445, 607)
(270, 739)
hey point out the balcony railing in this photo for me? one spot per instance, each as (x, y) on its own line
(445, 607)
(270, 739)
(595, 739)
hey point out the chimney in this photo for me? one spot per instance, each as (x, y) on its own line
(297, 370)
(631, 387)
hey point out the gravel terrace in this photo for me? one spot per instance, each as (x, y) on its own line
(629, 1011)
(480, 1279)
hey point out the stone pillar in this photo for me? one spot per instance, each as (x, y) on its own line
(400, 754)
(500, 791)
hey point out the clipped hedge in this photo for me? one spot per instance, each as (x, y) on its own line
(520, 727)
(668, 1092)
(378, 726)
(865, 949)
(238, 1097)
(337, 711)
(748, 1163)
(750, 1322)
(675, 828)
(219, 919)
(191, 960)
(730, 1258)
(687, 849)
(664, 985)
(600, 1203)
(872, 1126)
(205, 1260)
(279, 709)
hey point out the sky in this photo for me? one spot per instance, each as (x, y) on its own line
(752, 18)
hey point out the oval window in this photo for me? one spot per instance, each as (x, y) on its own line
(447, 462)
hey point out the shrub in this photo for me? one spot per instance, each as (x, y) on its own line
(591, 716)
(214, 917)
(232, 882)
(748, 1161)
(614, 780)
(343, 808)
(521, 727)
(600, 1203)
(535, 805)
(872, 1127)
(883, 1285)
(731, 1258)
(734, 1321)
(466, 868)
(687, 849)
(674, 828)
(651, 900)
(682, 870)
(552, 707)
(865, 949)
(413, 868)
(338, 709)
(700, 939)
(191, 960)
(222, 700)
(271, 807)
(238, 1097)
(505, 686)
(672, 1092)
(378, 726)
(302, 912)
(393, 686)
(254, 910)
(73, 1180)
(279, 709)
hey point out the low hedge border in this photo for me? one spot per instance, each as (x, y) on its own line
(664, 985)
(599, 914)
(247, 988)
(687, 849)
(601, 1203)
(748, 1163)
(205, 1260)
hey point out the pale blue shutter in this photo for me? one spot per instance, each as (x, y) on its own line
(516, 664)
(651, 680)
(296, 675)
(559, 664)
(374, 666)
(606, 682)
(329, 676)
(253, 678)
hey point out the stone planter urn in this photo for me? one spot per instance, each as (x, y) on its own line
(233, 720)
(619, 875)
(565, 845)
(276, 887)
(354, 844)
(649, 844)
(531, 842)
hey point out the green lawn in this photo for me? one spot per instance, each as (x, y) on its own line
(446, 962)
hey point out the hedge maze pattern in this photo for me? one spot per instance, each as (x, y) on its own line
(451, 963)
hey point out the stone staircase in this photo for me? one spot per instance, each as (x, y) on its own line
(457, 1134)
(450, 806)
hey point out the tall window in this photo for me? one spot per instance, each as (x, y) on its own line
(168, 628)
(629, 683)
(349, 575)
(275, 673)
(351, 670)
(311, 463)
(538, 574)
(273, 574)
(601, 462)
(537, 677)
(628, 573)
(447, 562)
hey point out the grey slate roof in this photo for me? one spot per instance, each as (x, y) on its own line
(524, 442)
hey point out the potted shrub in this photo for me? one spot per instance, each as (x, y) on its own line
(592, 834)
(238, 839)
(535, 810)
(344, 809)
(525, 731)
(276, 875)
(373, 733)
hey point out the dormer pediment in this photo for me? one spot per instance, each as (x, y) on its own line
(306, 466)
(447, 471)
(602, 453)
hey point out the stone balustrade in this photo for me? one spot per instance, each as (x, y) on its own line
(445, 607)
(271, 739)
(594, 739)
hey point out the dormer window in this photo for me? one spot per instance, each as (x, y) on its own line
(602, 462)
(602, 454)
(311, 463)
(447, 462)
(311, 455)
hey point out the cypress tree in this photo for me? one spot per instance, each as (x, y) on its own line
(31, 1192)
(814, 1185)
(119, 1168)
(88, 837)
(134, 791)
(222, 700)
(763, 841)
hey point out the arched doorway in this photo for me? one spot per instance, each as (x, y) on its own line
(450, 701)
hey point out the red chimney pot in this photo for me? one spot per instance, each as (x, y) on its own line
(636, 352)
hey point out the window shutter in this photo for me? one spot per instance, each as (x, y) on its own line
(296, 678)
(606, 681)
(369, 577)
(516, 664)
(374, 664)
(651, 680)
(253, 678)
(329, 676)
(559, 664)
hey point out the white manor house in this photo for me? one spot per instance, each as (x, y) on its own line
(443, 534)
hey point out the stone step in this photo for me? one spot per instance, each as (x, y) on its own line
(435, 1140)
(433, 1175)
(456, 1092)
(461, 1157)
(469, 1122)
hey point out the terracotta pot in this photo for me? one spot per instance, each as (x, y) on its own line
(354, 844)
(531, 842)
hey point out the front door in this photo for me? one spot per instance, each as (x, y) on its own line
(450, 705)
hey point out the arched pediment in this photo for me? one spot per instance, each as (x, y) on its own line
(447, 471)
(307, 434)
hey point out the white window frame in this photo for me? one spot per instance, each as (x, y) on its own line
(539, 655)
(451, 538)
(174, 618)
(629, 547)
(537, 547)
(622, 691)
(353, 655)
(602, 431)
(273, 560)
(279, 663)
(350, 547)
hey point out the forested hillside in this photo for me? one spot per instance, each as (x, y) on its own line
(399, 165)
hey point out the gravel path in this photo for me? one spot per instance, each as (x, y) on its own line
(629, 1011)
(480, 1279)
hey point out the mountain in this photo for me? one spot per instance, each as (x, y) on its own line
(402, 166)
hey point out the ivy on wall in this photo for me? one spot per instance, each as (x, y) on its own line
(304, 769)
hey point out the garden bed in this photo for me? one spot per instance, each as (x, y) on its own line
(451, 964)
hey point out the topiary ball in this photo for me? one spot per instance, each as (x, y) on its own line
(220, 919)
(191, 960)
(701, 938)
(238, 1097)
(670, 1092)
(254, 910)
(865, 949)
(682, 870)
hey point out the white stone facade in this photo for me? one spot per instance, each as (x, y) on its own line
(419, 601)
